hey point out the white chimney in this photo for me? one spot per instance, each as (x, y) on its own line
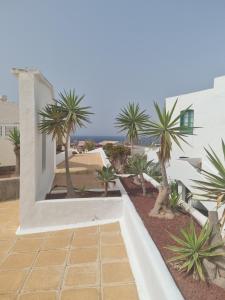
(219, 83)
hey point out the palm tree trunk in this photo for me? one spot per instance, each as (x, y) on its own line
(161, 207)
(17, 154)
(143, 184)
(106, 189)
(70, 189)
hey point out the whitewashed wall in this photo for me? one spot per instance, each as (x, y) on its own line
(209, 113)
(34, 93)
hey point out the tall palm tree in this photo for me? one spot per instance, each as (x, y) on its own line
(167, 131)
(62, 118)
(106, 175)
(14, 137)
(131, 120)
(137, 165)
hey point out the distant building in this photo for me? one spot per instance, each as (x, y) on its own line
(9, 118)
(103, 143)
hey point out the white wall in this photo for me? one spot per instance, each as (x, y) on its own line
(209, 113)
(34, 93)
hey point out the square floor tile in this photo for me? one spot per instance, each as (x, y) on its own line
(111, 238)
(11, 280)
(62, 233)
(27, 245)
(112, 227)
(113, 252)
(39, 296)
(8, 296)
(51, 258)
(81, 294)
(54, 242)
(6, 245)
(86, 230)
(85, 241)
(18, 261)
(116, 272)
(123, 292)
(82, 275)
(83, 255)
(48, 278)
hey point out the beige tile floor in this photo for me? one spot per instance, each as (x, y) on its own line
(82, 264)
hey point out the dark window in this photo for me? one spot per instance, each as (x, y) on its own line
(187, 121)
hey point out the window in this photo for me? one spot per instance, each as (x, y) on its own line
(1, 130)
(43, 152)
(187, 121)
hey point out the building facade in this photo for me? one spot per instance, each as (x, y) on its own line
(9, 118)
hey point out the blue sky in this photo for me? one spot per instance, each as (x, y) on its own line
(114, 51)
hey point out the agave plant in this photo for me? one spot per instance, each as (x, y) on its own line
(166, 130)
(14, 138)
(62, 118)
(154, 172)
(137, 165)
(192, 249)
(213, 187)
(106, 175)
(131, 120)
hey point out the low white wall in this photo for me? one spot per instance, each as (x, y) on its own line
(152, 277)
(104, 158)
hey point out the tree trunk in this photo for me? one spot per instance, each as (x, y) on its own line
(106, 189)
(70, 188)
(161, 208)
(17, 154)
(143, 184)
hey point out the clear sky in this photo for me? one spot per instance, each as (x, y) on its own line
(114, 51)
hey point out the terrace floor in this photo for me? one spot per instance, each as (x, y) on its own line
(81, 264)
(83, 171)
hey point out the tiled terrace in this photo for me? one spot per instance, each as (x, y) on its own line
(81, 264)
(82, 168)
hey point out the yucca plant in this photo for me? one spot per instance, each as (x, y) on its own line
(14, 138)
(213, 187)
(174, 197)
(192, 249)
(62, 118)
(131, 120)
(106, 175)
(137, 165)
(166, 130)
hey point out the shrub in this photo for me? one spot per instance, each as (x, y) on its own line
(89, 145)
(174, 197)
(106, 175)
(192, 249)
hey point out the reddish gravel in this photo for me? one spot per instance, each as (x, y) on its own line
(157, 228)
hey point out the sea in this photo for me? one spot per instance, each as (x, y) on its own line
(99, 138)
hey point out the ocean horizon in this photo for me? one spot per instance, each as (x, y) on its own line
(119, 138)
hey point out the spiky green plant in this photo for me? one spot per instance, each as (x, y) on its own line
(14, 138)
(174, 196)
(191, 249)
(154, 172)
(213, 187)
(62, 118)
(131, 120)
(106, 175)
(137, 165)
(166, 130)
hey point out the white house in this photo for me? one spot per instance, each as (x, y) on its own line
(206, 111)
(9, 118)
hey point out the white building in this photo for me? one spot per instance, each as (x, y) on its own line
(9, 118)
(207, 111)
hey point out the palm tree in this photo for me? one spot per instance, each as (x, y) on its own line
(137, 165)
(14, 137)
(106, 175)
(62, 118)
(167, 131)
(131, 120)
